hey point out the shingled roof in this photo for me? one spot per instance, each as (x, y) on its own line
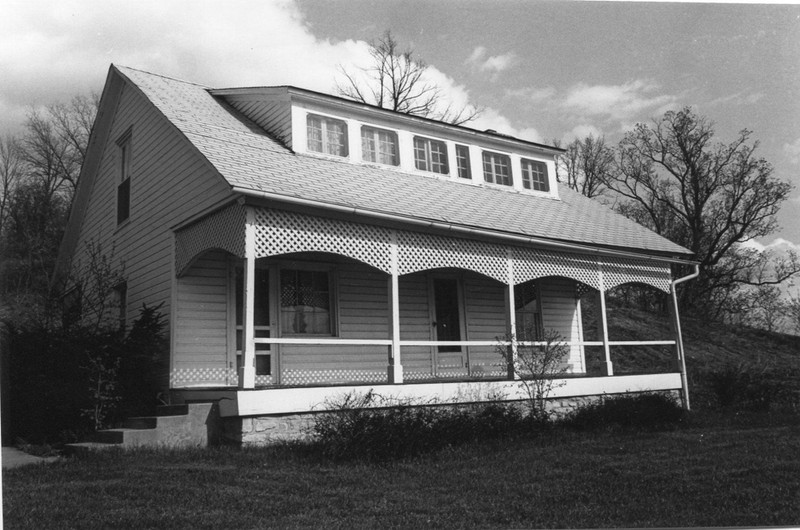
(250, 159)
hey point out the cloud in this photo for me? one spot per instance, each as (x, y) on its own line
(531, 94)
(490, 118)
(618, 102)
(793, 151)
(581, 131)
(737, 99)
(778, 245)
(493, 64)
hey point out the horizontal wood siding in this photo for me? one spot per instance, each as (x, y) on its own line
(486, 320)
(201, 329)
(170, 182)
(275, 116)
(560, 313)
(415, 323)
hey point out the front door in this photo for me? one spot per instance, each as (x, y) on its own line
(447, 324)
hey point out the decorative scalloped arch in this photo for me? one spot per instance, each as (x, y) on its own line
(418, 252)
(221, 230)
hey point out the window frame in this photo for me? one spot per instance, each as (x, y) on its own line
(125, 153)
(527, 166)
(425, 147)
(463, 170)
(492, 158)
(373, 135)
(325, 122)
(330, 271)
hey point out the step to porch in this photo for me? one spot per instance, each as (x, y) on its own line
(186, 425)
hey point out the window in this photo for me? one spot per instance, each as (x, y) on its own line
(497, 168)
(379, 145)
(306, 302)
(261, 326)
(529, 318)
(534, 175)
(462, 161)
(430, 155)
(326, 135)
(124, 186)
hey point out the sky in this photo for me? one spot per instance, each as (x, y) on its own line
(541, 71)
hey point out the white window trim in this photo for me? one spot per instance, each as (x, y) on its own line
(325, 118)
(428, 141)
(398, 145)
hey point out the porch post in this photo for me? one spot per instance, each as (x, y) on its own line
(247, 372)
(680, 360)
(395, 368)
(609, 368)
(512, 318)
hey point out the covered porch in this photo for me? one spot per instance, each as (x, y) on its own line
(273, 302)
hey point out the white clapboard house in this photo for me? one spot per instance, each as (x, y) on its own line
(303, 244)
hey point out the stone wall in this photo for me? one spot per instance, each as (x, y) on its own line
(266, 430)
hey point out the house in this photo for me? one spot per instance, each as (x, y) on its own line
(304, 245)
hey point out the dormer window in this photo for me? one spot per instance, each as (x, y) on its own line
(379, 145)
(534, 175)
(497, 168)
(462, 162)
(326, 135)
(430, 155)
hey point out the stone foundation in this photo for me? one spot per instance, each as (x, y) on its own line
(266, 430)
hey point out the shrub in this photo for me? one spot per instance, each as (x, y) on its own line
(640, 411)
(370, 427)
(750, 386)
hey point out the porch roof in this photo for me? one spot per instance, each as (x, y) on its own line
(249, 159)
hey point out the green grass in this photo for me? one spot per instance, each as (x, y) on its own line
(711, 471)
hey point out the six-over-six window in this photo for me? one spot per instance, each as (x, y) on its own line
(329, 136)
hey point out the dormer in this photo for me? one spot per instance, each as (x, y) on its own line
(319, 125)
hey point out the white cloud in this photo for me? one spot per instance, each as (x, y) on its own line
(493, 64)
(793, 151)
(618, 102)
(778, 245)
(531, 94)
(492, 119)
(581, 131)
(739, 98)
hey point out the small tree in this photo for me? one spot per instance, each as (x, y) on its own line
(586, 165)
(537, 365)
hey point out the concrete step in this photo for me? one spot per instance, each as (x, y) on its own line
(172, 410)
(154, 422)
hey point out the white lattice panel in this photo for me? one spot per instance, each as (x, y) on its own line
(224, 230)
(419, 252)
(261, 380)
(311, 377)
(618, 272)
(530, 264)
(279, 232)
(197, 376)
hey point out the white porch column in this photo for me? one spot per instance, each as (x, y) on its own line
(680, 360)
(395, 368)
(247, 372)
(603, 328)
(512, 318)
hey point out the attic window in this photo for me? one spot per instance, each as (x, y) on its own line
(124, 186)
(497, 168)
(379, 145)
(462, 161)
(326, 135)
(430, 155)
(534, 175)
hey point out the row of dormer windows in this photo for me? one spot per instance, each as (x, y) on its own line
(329, 136)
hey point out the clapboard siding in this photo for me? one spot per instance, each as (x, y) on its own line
(164, 167)
(202, 315)
(273, 115)
(486, 319)
(560, 313)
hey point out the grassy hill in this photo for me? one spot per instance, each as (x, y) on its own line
(716, 354)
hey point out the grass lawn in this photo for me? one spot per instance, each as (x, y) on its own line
(706, 473)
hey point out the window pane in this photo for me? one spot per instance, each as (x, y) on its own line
(497, 168)
(462, 161)
(534, 175)
(326, 135)
(379, 145)
(123, 200)
(430, 155)
(305, 302)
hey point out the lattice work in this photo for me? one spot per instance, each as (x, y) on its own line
(195, 376)
(261, 380)
(311, 377)
(530, 264)
(655, 273)
(223, 229)
(582, 289)
(279, 232)
(419, 252)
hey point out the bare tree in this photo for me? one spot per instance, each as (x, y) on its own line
(586, 165)
(396, 80)
(11, 170)
(707, 197)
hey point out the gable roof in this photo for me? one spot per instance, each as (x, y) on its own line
(254, 162)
